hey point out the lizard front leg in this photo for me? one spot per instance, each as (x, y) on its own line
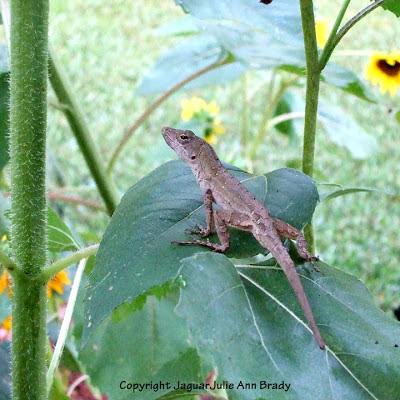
(204, 232)
(223, 219)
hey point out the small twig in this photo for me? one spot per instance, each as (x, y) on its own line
(131, 130)
(75, 200)
(59, 265)
(364, 12)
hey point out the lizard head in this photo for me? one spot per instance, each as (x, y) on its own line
(184, 142)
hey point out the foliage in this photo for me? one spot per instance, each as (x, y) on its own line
(159, 312)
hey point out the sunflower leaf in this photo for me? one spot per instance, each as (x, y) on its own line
(345, 131)
(248, 318)
(393, 6)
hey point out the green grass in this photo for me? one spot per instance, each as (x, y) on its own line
(107, 47)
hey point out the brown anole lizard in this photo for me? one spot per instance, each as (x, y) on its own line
(238, 209)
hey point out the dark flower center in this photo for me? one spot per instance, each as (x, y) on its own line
(391, 70)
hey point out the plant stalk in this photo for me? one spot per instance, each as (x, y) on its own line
(312, 92)
(331, 44)
(63, 263)
(81, 131)
(324, 56)
(28, 114)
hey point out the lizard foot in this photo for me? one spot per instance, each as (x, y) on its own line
(203, 232)
(214, 246)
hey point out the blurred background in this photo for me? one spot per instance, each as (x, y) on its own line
(108, 48)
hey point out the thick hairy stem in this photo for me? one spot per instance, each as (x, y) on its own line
(28, 90)
(312, 93)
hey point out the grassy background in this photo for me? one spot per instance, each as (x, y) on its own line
(106, 48)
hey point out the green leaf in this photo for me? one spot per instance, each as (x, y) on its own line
(281, 18)
(346, 80)
(60, 237)
(393, 6)
(249, 320)
(152, 345)
(290, 102)
(5, 367)
(182, 61)
(345, 191)
(4, 118)
(180, 27)
(345, 131)
(136, 252)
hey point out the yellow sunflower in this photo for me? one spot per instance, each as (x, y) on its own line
(205, 114)
(56, 283)
(323, 27)
(383, 69)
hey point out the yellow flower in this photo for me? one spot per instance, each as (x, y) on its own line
(383, 69)
(191, 107)
(6, 324)
(323, 28)
(211, 138)
(5, 283)
(56, 283)
(4, 238)
(217, 127)
(212, 108)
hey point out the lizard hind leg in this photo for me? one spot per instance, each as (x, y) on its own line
(286, 230)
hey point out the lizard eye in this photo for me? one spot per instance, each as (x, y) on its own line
(183, 137)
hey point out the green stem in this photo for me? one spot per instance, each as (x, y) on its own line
(324, 56)
(59, 265)
(339, 35)
(81, 131)
(156, 104)
(312, 90)
(28, 113)
(312, 93)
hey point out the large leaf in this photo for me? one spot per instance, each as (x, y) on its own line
(347, 81)
(344, 131)
(150, 345)
(255, 36)
(136, 253)
(249, 320)
(281, 18)
(181, 62)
